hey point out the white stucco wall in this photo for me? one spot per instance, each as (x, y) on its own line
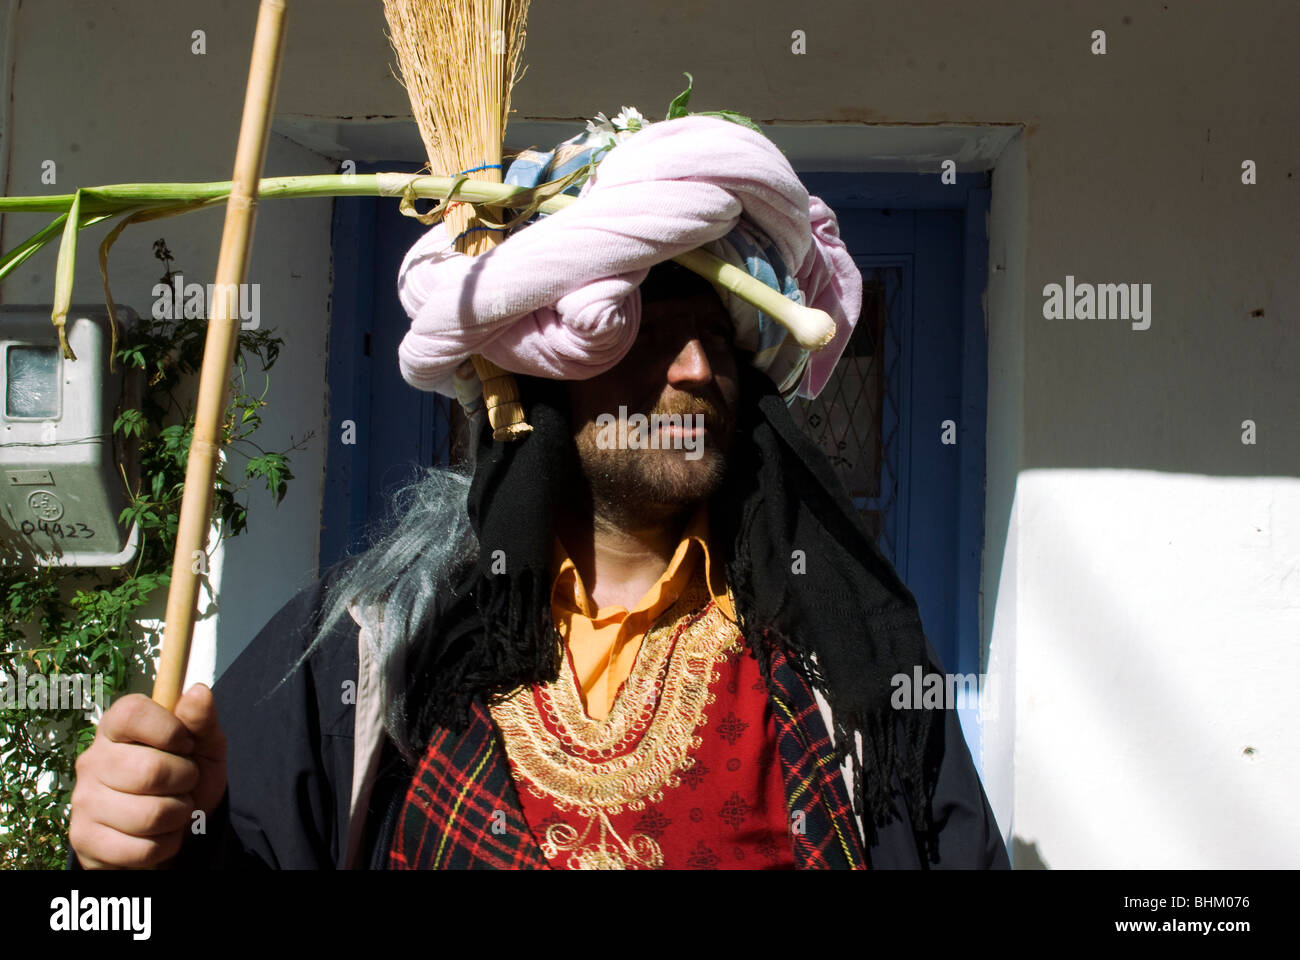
(1140, 599)
(112, 94)
(1160, 720)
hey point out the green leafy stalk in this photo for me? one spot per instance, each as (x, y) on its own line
(115, 198)
(63, 274)
(147, 201)
(15, 258)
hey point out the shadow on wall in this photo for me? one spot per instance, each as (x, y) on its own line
(1024, 856)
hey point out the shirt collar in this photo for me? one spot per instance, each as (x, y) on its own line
(568, 590)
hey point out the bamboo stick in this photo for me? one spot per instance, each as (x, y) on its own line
(219, 349)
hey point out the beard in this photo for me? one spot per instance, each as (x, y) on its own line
(631, 481)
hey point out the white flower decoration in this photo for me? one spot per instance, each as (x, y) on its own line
(601, 132)
(601, 124)
(629, 120)
(607, 134)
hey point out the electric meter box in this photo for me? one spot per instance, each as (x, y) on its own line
(62, 489)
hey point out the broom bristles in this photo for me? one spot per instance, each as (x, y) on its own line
(459, 60)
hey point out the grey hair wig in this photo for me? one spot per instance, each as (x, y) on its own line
(392, 587)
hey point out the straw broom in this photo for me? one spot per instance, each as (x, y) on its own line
(219, 350)
(459, 60)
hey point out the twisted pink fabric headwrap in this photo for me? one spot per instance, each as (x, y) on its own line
(559, 298)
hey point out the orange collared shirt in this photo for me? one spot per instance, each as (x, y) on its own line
(603, 643)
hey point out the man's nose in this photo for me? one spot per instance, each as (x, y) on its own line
(691, 365)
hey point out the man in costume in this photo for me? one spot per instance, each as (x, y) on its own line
(590, 649)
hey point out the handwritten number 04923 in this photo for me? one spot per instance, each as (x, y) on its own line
(66, 532)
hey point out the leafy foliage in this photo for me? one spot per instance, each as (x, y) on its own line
(678, 109)
(63, 621)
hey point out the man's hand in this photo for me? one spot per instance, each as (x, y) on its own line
(140, 782)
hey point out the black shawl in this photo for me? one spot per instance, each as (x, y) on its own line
(847, 621)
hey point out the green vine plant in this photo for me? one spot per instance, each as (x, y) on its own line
(86, 621)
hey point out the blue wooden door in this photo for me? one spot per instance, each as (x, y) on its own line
(904, 418)
(395, 428)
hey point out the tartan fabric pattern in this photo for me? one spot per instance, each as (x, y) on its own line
(814, 785)
(462, 810)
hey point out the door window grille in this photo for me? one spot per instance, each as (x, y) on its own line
(855, 419)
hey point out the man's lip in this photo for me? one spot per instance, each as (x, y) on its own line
(675, 431)
(687, 421)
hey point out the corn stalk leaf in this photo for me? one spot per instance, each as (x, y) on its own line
(15, 258)
(63, 274)
(136, 216)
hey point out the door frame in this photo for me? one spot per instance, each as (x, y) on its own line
(971, 196)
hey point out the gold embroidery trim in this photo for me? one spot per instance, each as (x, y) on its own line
(663, 700)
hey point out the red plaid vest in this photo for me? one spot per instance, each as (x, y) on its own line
(464, 808)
